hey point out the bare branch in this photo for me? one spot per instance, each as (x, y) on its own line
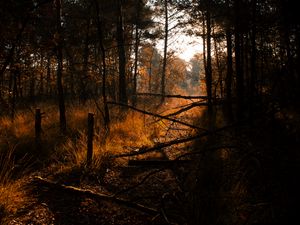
(160, 146)
(156, 115)
(173, 96)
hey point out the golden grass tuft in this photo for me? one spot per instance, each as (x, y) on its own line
(131, 132)
(128, 134)
(12, 197)
(12, 193)
(20, 126)
(7, 165)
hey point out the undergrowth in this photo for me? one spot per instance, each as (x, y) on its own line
(19, 155)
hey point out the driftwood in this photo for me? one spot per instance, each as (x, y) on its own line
(95, 196)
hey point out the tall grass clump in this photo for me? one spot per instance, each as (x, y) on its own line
(7, 165)
(12, 194)
(128, 134)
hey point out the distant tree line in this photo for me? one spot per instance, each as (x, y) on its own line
(106, 49)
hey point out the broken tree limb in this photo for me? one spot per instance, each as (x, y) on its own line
(156, 115)
(160, 146)
(95, 196)
(173, 96)
(187, 108)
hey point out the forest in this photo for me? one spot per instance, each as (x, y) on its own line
(104, 120)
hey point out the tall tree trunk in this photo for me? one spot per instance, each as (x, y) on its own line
(103, 57)
(238, 62)
(42, 74)
(122, 57)
(164, 66)
(253, 78)
(229, 72)
(84, 74)
(208, 74)
(136, 51)
(204, 47)
(49, 87)
(220, 72)
(150, 72)
(59, 55)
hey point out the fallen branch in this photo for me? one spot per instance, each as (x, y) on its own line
(155, 115)
(96, 196)
(173, 96)
(159, 146)
(158, 163)
(184, 109)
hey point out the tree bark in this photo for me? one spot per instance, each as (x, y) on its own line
(59, 55)
(122, 56)
(103, 57)
(164, 66)
(136, 51)
(208, 74)
(253, 79)
(238, 62)
(229, 72)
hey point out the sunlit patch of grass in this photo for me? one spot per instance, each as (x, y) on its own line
(20, 126)
(12, 194)
(124, 136)
(12, 197)
(132, 131)
(74, 152)
(77, 116)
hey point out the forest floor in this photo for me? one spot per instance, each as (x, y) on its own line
(257, 183)
(133, 194)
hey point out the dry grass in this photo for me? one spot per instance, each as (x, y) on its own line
(129, 134)
(12, 193)
(67, 153)
(12, 197)
(132, 132)
(7, 165)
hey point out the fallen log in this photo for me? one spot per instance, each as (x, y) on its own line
(95, 196)
(158, 163)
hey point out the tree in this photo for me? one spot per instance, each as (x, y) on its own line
(121, 54)
(164, 66)
(58, 38)
(103, 57)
